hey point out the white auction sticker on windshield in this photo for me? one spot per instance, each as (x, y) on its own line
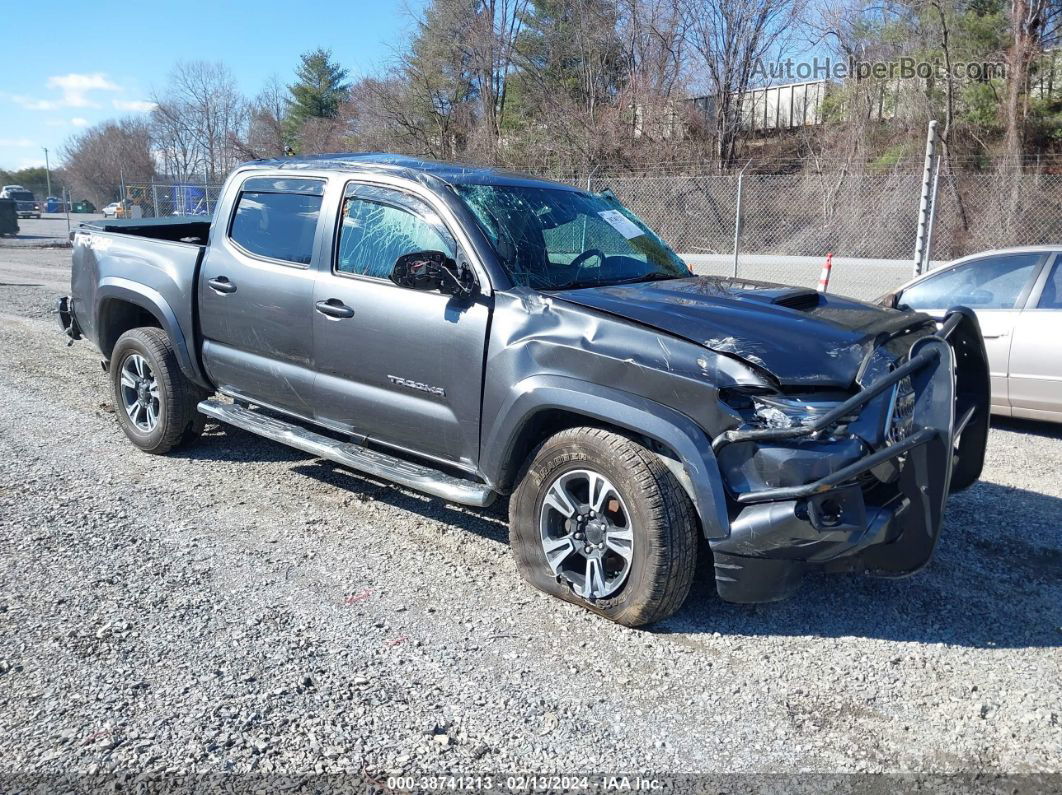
(621, 223)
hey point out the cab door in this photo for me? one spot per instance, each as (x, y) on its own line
(400, 366)
(995, 287)
(256, 293)
(1036, 352)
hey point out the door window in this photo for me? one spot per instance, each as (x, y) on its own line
(277, 218)
(379, 225)
(989, 283)
(1051, 297)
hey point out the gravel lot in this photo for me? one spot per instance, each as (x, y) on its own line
(242, 606)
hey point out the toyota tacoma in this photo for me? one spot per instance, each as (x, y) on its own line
(471, 333)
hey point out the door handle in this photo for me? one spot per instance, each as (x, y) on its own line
(333, 307)
(1000, 335)
(222, 285)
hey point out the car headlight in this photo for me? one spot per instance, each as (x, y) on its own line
(762, 409)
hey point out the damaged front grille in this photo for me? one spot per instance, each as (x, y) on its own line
(899, 422)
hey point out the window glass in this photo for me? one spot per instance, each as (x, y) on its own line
(276, 225)
(552, 238)
(990, 283)
(1051, 297)
(380, 225)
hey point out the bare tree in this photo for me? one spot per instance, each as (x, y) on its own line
(1033, 24)
(205, 118)
(730, 38)
(267, 130)
(97, 160)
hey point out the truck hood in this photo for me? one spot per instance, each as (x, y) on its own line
(799, 336)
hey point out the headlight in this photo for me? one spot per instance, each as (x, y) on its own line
(762, 409)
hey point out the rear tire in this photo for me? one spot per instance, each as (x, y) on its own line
(639, 581)
(156, 405)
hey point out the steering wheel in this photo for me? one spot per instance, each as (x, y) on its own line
(580, 261)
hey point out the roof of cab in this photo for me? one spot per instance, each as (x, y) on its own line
(410, 167)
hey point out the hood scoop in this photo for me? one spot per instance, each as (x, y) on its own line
(802, 299)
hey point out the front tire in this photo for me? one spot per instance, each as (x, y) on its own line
(598, 520)
(156, 405)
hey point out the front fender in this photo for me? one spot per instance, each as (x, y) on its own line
(152, 301)
(615, 407)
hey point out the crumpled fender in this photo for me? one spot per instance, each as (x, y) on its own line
(622, 409)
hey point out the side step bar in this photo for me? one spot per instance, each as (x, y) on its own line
(372, 462)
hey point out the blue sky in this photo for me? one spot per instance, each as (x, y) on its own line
(71, 64)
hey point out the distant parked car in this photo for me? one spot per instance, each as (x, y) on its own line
(26, 204)
(113, 210)
(1017, 295)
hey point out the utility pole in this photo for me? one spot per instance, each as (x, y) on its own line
(47, 170)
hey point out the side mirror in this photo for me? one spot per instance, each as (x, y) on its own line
(432, 270)
(890, 300)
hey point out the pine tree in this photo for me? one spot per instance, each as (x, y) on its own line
(319, 89)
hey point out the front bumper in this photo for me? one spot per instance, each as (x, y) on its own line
(880, 513)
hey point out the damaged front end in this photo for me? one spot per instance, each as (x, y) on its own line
(852, 482)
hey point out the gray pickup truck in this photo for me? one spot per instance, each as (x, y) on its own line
(472, 333)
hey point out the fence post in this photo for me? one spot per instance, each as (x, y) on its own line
(927, 203)
(155, 198)
(737, 217)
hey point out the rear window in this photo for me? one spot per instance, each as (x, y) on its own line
(277, 218)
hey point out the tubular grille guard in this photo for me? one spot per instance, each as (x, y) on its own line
(852, 405)
(847, 408)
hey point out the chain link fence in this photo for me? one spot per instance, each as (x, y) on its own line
(154, 200)
(790, 222)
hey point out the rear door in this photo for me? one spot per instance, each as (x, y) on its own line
(1036, 352)
(256, 293)
(400, 366)
(995, 287)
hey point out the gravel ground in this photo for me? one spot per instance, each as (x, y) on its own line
(242, 606)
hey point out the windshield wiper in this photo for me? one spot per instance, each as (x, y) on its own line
(655, 276)
(645, 277)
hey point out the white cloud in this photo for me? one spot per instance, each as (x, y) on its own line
(30, 103)
(19, 142)
(75, 88)
(78, 121)
(136, 105)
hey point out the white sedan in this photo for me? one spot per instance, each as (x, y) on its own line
(1017, 295)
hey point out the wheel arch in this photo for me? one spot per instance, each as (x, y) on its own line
(544, 405)
(123, 305)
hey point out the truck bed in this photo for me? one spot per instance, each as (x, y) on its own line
(178, 229)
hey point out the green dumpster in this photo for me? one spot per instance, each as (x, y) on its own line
(84, 206)
(8, 217)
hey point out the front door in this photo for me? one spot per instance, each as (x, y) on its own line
(400, 366)
(256, 290)
(1036, 353)
(995, 287)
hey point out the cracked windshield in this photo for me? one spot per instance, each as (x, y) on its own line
(553, 239)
